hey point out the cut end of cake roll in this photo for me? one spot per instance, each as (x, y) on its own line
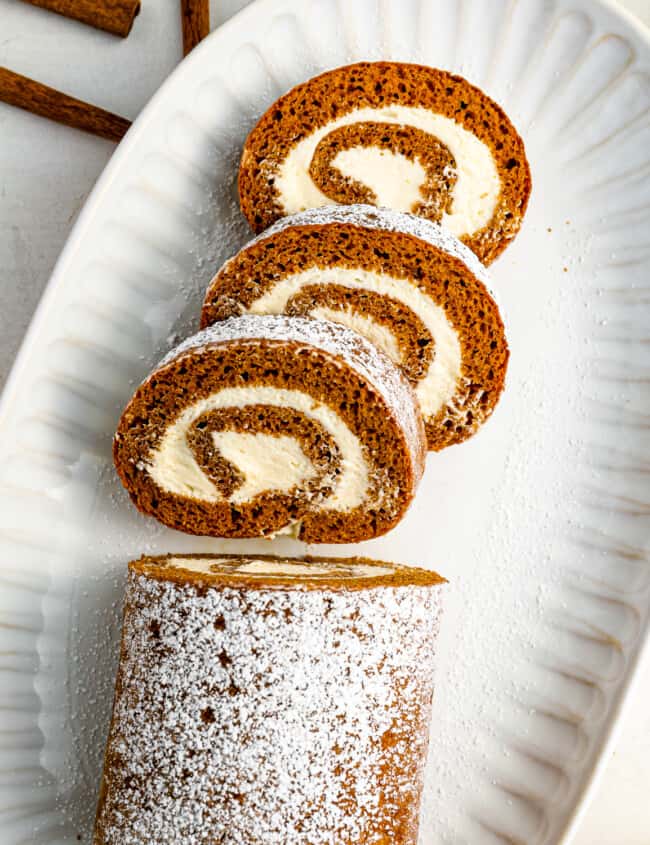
(402, 136)
(410, 287)
(279, 700)
(273, 572)
(261, 425)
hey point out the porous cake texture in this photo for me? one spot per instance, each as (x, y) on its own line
(402, 136)
(406, 284)
(267, 424)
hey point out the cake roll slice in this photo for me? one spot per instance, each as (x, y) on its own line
(403, 282)
(259, 425)
(270, 700)
(402, 136)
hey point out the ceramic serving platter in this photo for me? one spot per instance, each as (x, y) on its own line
(541, 522)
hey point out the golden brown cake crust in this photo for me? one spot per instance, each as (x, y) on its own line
(440, 275)
(377, 84)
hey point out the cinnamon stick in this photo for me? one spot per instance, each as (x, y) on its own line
(114, 16)
(195, 18)
(34, 97)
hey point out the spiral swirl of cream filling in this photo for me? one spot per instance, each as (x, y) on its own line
(267, 462)
(439, 384)
(394, 179)
(279, 568)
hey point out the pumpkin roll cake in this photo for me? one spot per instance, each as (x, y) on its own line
(402, 136)
(270, 700)
(259, 425)
(403, 282)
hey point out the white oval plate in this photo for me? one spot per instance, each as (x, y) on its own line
(541, 522)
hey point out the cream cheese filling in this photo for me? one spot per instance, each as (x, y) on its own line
(266, 462)
(438, 385)
(173, 467)
(395, 179)
(372, 330)
(280, 568)
(477, 187)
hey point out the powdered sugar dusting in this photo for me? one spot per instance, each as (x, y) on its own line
(337, 340)
(388, 220)
(281, 716)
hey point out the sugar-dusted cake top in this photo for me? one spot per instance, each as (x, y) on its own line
(280, 716)
(386, 219)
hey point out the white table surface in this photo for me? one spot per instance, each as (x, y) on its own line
(40, 200)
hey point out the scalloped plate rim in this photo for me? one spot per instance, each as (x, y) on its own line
(609, 735)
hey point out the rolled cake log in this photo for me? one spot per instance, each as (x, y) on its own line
(270, 700)
(401, 136)
(260, 425)
(405, 283)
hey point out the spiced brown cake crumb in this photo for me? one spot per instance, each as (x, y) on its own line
(266, 424)
(435, 140)
(404, 282)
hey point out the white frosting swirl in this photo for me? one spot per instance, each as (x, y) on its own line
(477, 187)
(279, 568)
(337, 340)
(265, 466)
(438, 385)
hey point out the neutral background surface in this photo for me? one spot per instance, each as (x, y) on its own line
(46, 173)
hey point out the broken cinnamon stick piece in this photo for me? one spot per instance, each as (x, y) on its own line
(34, 97)
(115, 16)
(195, 17)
